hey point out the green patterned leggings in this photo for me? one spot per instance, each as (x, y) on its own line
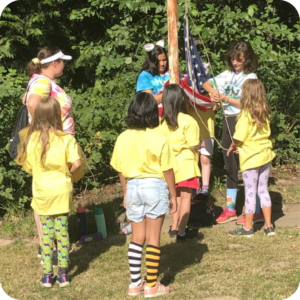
(55, 226)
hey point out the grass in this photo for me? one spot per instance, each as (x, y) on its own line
(211, 266)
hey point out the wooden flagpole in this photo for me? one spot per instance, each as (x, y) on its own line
(173, 41)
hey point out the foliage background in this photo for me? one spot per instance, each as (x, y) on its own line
(105, 38)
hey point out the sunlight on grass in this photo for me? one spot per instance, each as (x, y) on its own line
(214, 264)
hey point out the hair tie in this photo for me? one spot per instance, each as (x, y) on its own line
(149, 46)
(36, 61)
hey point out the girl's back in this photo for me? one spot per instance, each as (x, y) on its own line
(256, 149)
(183, 137)
(140, 153)
(52, 183)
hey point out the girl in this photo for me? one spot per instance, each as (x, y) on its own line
(52, 157)
(142, 155)
(43, 69)
(154, 73)
(227, 87)
(207, 128)
(251, 136)
(183, 133)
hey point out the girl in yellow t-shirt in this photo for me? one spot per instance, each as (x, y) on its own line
(143, 157)
(183, 132)
(251, 137)
(52, 157)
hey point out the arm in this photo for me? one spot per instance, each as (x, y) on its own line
(123, 184)
(24, 98)
(158, 98)
(32, 102)
(201, 145)
(214, 94)
(233, 146)
(170, 179)
(228, 99)
(196, 147)
(75, 166)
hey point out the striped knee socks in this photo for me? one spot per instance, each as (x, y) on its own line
(152, 264)
(135, 261)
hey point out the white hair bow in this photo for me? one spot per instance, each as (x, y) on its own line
(148, 47)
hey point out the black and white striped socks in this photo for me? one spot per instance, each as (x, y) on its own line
(135, 261)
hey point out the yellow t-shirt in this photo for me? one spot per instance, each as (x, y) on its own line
(207, 126)
(143, 153)
(181, 139)
(51, 185)
(256, 148)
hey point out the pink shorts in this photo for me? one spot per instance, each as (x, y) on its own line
(191, 183)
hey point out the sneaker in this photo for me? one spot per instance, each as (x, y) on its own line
(39, 255)
(172, 233)
(156, 291)
(269, 231)
(257, 218)
(63, 279)
(180, 239)
(226, 216)
(240, 231)
(47, 280)
(136, 290)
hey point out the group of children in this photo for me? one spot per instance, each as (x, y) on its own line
(157, 161)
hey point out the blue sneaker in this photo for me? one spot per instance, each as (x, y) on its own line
(47, 280)
(63, 279)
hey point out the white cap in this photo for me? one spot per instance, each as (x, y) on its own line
(56, 56)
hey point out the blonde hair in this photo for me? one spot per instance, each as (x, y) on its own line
(47, 116)
(254, 101)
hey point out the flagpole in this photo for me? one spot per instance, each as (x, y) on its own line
(173, 41)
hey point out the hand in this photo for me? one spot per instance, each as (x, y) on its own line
(224, 98)
(173, 205)
(215, 96)
(202, 145)
(232, 148)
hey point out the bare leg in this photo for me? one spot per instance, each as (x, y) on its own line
(139, 232)
(205, 169)
(185, 208)
(267, 216)
(38, 226)
(153, 230)
(175, 216)
(248, 221)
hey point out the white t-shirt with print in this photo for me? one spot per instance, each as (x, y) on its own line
(230, 84)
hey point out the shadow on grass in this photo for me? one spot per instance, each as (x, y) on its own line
(178, 256)
(81, 258)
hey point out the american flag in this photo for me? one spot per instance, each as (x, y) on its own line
(197, 73)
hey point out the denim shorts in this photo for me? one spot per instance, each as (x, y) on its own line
(146, 197)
